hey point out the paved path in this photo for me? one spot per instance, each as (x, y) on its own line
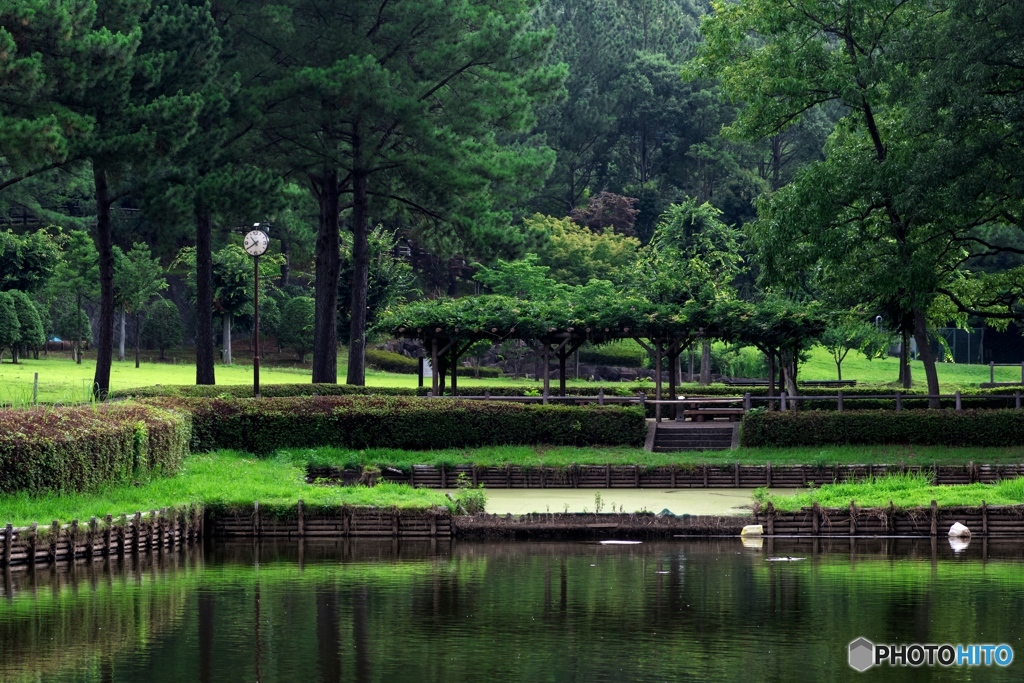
(678, 501)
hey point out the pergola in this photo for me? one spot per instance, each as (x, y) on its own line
(449, 327)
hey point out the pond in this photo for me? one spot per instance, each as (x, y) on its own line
(705, 610)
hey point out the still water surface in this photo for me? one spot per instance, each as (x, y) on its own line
(704, 610)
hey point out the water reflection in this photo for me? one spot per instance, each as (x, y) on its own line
(439, 611)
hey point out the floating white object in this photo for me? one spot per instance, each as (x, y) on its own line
(621, 542)
(752, 530)
(958, 530)
(785, 559)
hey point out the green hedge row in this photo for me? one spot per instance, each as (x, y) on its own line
(265, 425)
(1001, 428)
(61, 450)
(266, 390)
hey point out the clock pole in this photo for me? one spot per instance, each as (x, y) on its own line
(256, 329)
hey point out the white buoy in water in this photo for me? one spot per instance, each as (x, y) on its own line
(958, 530)
(752, 530)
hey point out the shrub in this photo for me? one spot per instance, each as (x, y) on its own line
(622, 353)
(61, 450)
(296, 328)
(266, 390)
(265, 425)
(389, 361)
(999, 428)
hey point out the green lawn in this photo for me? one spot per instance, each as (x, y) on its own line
(903, 491)
(535, 456)
(224, 477)
(62, 380)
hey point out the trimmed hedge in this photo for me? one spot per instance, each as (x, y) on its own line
(266, 390)
(265, 425)
(999, 428)
(61, 450)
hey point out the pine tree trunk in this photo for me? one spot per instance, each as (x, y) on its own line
(205, 361)
(227, 338)
(138, 338)
(705, 362)
(120, 345)
(927, 357)
(328, 269)
(105, 247)
(360, 280)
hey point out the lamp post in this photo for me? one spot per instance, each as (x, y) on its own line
(255, 244)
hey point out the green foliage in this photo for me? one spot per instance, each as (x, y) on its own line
(138, 277)
(264, 425)
(27, 261)
(296, 328)
(61, 450)
(267, 390)
(469, 499)
(30, 334)
(68, 320)
(389, 361)
(10, 329)
(163, 325)
(622, 353)
(390, 282)
(926, 427)
(575, 254)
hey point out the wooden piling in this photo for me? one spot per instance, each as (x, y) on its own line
(300, 517)
(853, 518)
(816, 518)
(935, 519)
(8, 543)
(770, 518)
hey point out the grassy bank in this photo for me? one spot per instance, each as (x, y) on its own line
(903, 491)
(221, 478)
(535, 456)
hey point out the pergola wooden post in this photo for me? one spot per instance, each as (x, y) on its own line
(433, 366)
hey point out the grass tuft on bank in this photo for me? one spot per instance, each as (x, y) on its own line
(222, 479)
(563, 456)
(903, 491)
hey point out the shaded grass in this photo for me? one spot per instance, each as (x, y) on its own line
(223, 478)
(902, 490)
(553, 456)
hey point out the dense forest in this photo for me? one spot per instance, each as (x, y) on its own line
(848, 158)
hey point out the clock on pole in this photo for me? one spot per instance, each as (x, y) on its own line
(255, 244)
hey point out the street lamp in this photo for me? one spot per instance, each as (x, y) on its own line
(255, 244)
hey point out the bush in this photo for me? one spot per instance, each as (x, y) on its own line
(61, 450)
(265, 425)
(296, 328)
(10, 330)
(625, 353)
(1000, 428)
(389, 361)
(228, 391)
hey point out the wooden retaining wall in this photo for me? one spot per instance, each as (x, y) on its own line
(1004, 520)
(636, 476)
(126, 534)
(342, 522)
(596, 526)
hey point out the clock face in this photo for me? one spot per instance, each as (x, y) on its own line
(255, 242)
